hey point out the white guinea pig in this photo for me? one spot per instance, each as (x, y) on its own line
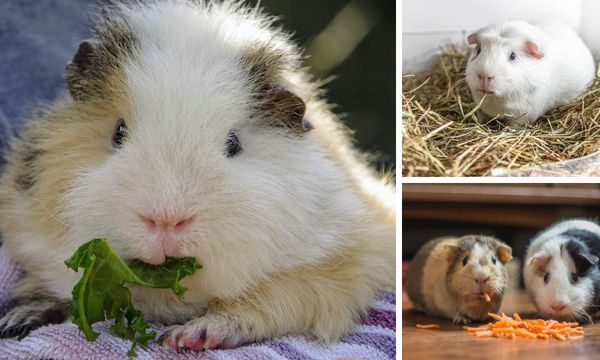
(193, 129)
(527, 69)
(561, 270)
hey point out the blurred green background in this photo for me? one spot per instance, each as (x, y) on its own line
(354, 41)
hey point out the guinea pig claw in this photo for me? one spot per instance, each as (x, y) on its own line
(461, 319)
(205, 333)
(195, 343)
(170, 339)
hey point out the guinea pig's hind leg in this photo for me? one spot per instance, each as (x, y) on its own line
(31, 309)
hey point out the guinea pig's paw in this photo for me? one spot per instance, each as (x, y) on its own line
(22, 319)
(210, 331)
(461, 319)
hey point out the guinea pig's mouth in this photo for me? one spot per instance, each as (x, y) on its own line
(566, 312)
(485, 296)
(491, 93)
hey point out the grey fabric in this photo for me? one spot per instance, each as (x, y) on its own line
(37, 39)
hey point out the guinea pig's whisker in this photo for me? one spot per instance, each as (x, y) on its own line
(581, 313)
(50, 213)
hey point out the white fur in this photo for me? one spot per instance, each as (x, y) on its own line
(559, 289)
(526, 88)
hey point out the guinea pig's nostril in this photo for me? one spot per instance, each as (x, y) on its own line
(485, 76)
(182, 223)
(558, 306)
(165, 223)
(151, 223)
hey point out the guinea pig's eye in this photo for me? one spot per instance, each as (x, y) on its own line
(233, 145)
(477, 50)
(494, 260)
(546, 277)
(512, 56)
(465, 260)
(119, 134)
(574, 278)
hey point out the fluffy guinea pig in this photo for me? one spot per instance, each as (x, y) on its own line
(459, 278)
(561, 270)
(525, 69)
(191, 128)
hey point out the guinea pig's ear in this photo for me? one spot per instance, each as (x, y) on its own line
(81, 69)
(504, 252)
(533, 50)
(287, 107)
(581, 257)
(472, 39)
(451, 252)
(539, 261)
(583, 262)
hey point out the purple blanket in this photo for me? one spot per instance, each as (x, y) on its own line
(374, 339)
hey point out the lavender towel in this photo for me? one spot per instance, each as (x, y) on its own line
(374, 339)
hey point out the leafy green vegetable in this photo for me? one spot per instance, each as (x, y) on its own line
(101, 293)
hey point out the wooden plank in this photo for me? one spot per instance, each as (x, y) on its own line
(563, 194)
(535, 217)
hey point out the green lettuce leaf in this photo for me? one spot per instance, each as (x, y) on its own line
(101, 293)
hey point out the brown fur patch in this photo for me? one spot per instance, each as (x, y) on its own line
(414, 274)
(27, 172)
(96, 60)
(266, 67)
(540, 264)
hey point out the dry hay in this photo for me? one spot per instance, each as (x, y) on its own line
(442, 137)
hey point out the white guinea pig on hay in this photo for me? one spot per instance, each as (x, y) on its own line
(525, 70)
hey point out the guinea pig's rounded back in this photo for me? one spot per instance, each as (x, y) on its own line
(415, 272)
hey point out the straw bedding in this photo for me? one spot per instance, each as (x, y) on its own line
(441, 135)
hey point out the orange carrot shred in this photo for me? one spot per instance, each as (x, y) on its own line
(515, 326)
(428, 326)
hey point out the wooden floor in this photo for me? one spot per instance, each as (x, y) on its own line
(452, 342)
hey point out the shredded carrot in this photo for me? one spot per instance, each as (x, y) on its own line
(428, 326)
(486, 297)
(510, 327)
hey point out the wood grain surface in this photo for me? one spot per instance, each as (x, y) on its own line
(452, 342)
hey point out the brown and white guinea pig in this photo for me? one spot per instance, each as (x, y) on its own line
(561, 270)
(455, 277)
(192, 129)
(527, 69)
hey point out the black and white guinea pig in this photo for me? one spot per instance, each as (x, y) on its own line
(527, 69)
(561, 270)
(191, 128)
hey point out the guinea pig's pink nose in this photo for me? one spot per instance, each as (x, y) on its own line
(480, 280)
(168, 223)
(558, 306)
(485, 80)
